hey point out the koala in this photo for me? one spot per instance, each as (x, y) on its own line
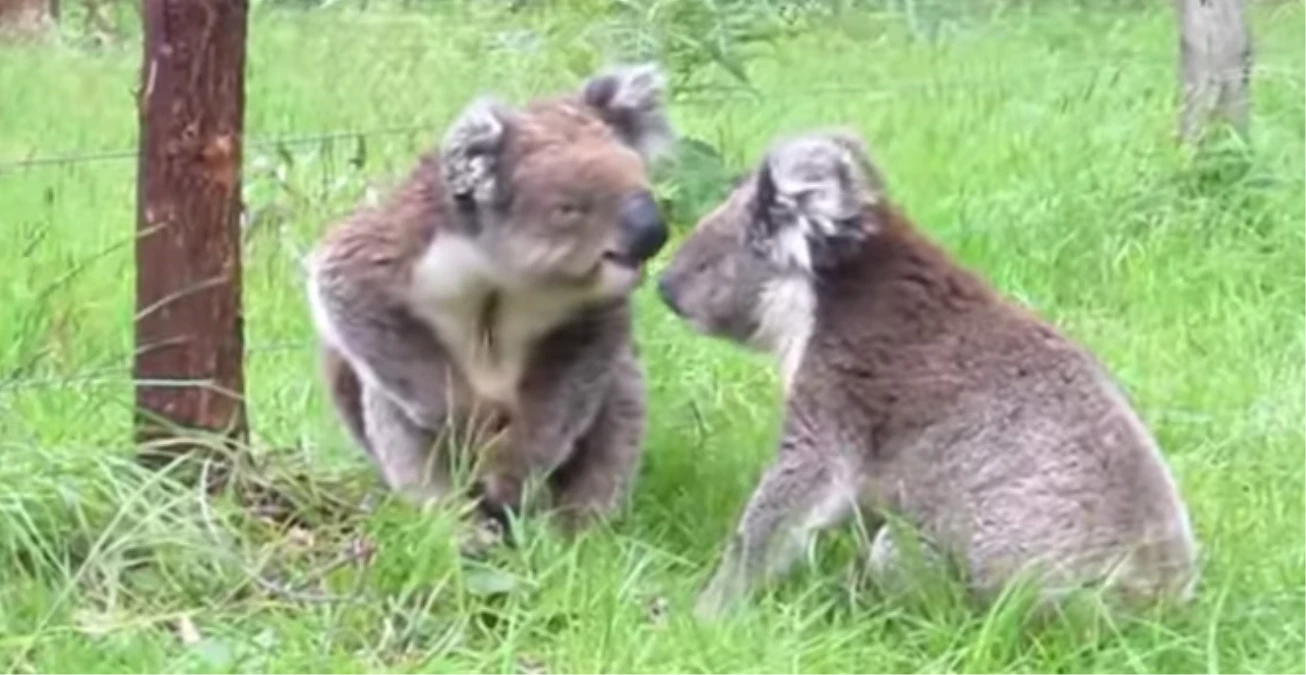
(481, 309)
(915, 392)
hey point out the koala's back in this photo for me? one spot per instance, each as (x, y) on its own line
(1041, 460)
(376, 242)
(997, 435)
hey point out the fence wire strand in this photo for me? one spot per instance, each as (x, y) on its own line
(702, 96)
(99, 375)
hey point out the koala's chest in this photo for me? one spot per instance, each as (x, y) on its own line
(488, 331)
(491, 339)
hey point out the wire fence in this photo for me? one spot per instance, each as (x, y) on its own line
(1115, 67)
(114, 369)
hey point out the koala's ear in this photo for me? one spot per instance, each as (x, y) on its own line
(629, 99)
(810, 197)
(472, 147)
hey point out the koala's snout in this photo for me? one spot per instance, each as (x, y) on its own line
(668, 295)
(641, 230)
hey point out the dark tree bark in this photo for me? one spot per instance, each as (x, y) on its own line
(189, 335)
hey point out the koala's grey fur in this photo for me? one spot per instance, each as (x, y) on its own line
(484, 303)
(914, 389)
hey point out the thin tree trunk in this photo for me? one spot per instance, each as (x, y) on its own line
(1215, 54)
(26, 18)
(189, 335)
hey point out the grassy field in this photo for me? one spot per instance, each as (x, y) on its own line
(1036, 147)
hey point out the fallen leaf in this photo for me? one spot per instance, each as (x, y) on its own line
(489, 582)
(528, 665)
(95, 623)
(361, 550)
(187, 632)
(300, 537)
(215, 654)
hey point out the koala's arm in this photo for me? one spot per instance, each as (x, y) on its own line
(356, 311)
(561, 395)
(806, 489)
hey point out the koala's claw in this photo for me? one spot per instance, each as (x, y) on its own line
(717, 599)
(479, 536)
(492, 512)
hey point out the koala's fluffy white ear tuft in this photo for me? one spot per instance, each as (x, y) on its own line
(811, 195)
(824, 178)
(470, 151)
(629, 99)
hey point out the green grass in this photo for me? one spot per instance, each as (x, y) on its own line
(1037, 147)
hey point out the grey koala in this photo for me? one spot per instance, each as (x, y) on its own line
(482, 307)
(914, 390)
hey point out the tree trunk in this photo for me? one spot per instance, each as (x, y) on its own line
(1215, 65)
(189, 335)
(26, 18)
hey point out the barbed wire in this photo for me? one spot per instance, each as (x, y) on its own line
(704, 95)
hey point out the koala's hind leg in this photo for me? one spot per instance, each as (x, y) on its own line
(346, 393)
(597, 478)
(801, 494)
(403, 450)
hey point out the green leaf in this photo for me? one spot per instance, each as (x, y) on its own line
(488, 582)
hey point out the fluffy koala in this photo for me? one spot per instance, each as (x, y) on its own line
(482, 307)
(913, 389)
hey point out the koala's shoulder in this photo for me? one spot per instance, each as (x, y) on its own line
(407, 218)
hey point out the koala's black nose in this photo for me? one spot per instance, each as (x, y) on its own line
(668, 297)
(642, 231)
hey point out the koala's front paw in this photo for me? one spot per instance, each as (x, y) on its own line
(495, 503)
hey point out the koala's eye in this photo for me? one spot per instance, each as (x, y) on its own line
(570, 209)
